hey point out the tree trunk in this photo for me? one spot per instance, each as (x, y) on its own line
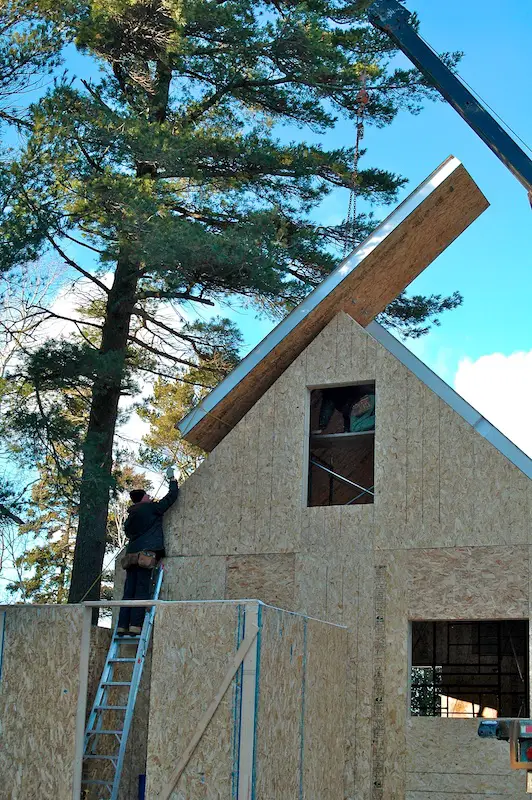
(98, 449)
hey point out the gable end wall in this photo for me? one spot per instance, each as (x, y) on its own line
(448, 537)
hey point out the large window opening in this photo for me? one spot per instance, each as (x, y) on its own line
(469, 669)
(342, 445)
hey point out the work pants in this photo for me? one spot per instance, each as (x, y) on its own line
(137, 587)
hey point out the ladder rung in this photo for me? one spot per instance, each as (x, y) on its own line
(116, 683)
(122, 660)
(97, 732)
(110, 708)
(127, 638)
(102, 758)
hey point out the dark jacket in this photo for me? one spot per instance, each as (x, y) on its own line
(144, 524)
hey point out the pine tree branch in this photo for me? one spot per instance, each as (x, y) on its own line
(83, 244)
(145, 315)
(174, 378)
(95, 95)
(88, 157)
(134, 339)
(49, 444)
(162, 354)
(17, 121)
(61, 252)
(205, 105)
(76, 266)
(160, 294)
(219, 223)
(55, 315)
(100, 234)
(5, 512)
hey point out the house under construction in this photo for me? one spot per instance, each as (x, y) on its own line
(360, 528)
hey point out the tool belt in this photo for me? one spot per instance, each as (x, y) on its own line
(146, 559)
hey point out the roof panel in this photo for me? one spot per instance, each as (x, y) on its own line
(406, 242)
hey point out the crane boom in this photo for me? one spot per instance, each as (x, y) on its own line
(394, 19)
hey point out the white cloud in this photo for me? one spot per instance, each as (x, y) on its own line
(500, 387)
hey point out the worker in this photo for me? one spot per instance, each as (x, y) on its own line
(144, 529)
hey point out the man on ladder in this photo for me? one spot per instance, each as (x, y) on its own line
(144, 529)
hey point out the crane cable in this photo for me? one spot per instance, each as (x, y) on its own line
(362, 99)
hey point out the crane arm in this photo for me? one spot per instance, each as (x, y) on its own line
(394, 19)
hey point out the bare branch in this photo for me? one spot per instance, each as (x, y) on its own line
(17, 121)
(162, 354)
(55, 315)
(175, 378)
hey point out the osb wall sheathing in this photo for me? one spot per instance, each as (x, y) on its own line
(299, 686)
(269, 578)
(300, 712)
(451, 527)
(100, 639)
(438, 482)
(39, 694)
(446, 760)
(192, 647)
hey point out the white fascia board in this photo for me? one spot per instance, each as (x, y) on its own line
(330, 283)
(452, 398)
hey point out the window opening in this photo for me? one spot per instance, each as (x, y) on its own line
(342, 445)
(469, 669)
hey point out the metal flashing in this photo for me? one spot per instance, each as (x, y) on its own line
(451, 397)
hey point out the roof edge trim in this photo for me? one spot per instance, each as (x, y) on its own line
(446, 393)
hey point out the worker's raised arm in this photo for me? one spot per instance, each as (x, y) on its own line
(173, 490)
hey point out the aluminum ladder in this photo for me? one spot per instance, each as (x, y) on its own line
(95, 733)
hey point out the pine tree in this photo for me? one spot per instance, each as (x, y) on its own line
(216, 348)
(29, 50)
(174, 172)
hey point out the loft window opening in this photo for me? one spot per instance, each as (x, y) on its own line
(342, 445)
(469, 669)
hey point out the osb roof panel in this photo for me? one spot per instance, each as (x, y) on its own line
(402, 246)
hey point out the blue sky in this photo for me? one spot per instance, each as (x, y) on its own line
(491, 263)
